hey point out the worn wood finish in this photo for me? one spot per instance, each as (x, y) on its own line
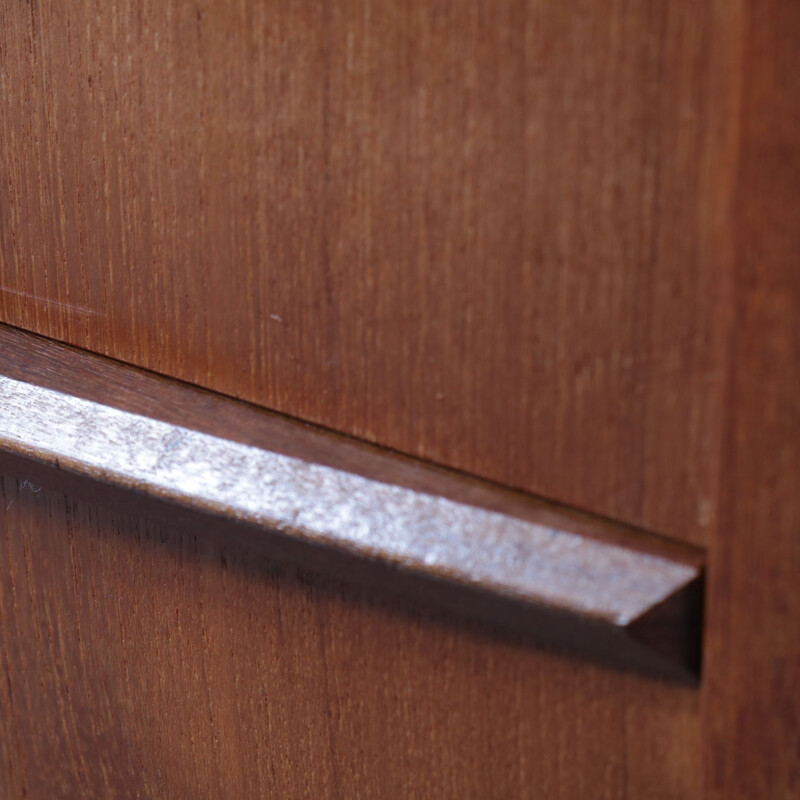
(609, 588)
(472, 231)
(137, 660)
(752, 706)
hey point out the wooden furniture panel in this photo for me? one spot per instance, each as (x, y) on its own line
(553, 245)
(751, 705)
(143, 661)
(477, 232)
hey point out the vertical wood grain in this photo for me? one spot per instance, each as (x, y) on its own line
(141, 661)
(528, 240)
(752, 709)
(471, 231)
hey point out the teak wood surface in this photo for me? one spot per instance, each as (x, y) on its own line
(142, 661)
(552, 245)
(478, 232)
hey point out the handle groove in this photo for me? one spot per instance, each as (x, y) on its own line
(587, 582)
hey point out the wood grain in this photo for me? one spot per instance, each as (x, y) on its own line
(552, 245)
(140, 661)
(471, 231)
(606, 588)
(752, 708)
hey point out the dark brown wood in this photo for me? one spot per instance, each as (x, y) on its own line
(751, 704)
(139, 660)
(606, 589)
(475, 232)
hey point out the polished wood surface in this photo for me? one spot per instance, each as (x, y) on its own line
(474, 232)
(138, 661)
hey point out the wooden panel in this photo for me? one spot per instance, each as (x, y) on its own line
(472, 231)
(752, 708)
(136, 660)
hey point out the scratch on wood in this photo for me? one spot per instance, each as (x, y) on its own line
(68, 308)
(22, 487)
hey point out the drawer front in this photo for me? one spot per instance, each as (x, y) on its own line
(479, 233)
(141, 660)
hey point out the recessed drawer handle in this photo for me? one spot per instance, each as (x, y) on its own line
(566, 577)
